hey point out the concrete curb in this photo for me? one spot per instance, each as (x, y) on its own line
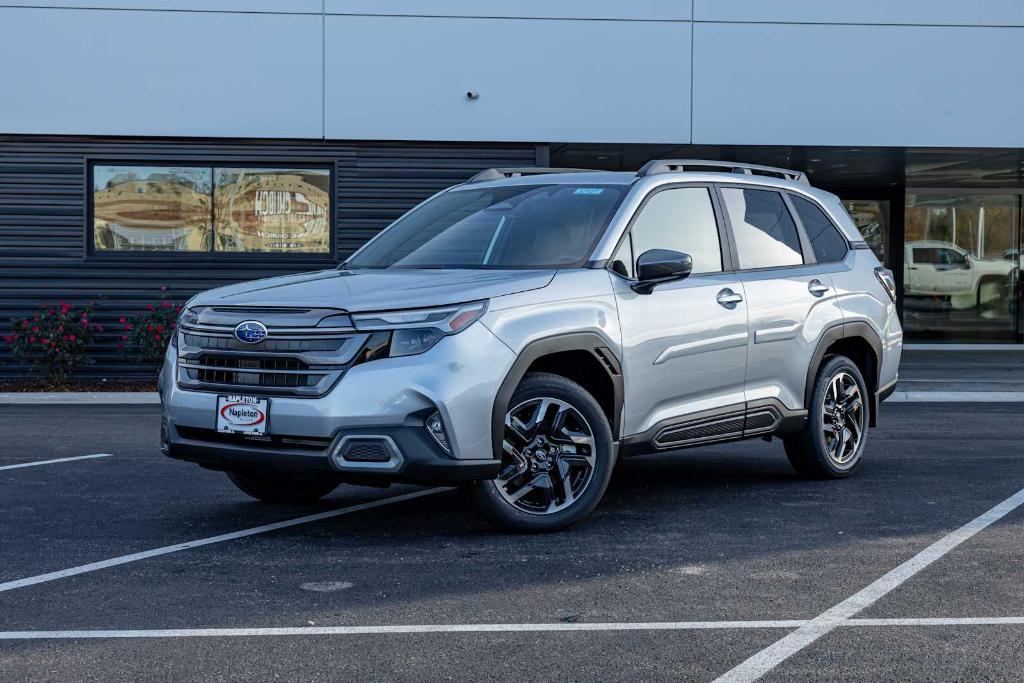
(83, 398)
(956, 397)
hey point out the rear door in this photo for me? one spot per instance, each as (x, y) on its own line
(685, 343)
(791, 298)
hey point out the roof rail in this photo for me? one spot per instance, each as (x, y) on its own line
(500, 173)
(672, 165)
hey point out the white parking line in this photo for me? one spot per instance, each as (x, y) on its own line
(188, 545)
(773, 655)
(487, 628)
(411, 628)
(55, 460)
(938, 621)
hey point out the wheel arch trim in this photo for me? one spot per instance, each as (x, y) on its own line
(838, 332)
(589, 342)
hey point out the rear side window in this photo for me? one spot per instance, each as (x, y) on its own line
(765, 233)
(828, 245)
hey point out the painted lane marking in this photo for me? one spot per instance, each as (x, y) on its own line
(189, 545)
(54, 461)
(773, 655)
(491, 628)
(411, 628)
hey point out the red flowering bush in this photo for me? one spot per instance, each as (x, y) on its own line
(54, 340)
(149, 333)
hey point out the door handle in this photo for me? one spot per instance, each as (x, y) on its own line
(817, 288)
(728, 298)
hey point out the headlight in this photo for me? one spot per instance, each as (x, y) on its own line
(415, 331)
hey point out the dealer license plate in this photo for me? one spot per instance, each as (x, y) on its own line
(243, 414)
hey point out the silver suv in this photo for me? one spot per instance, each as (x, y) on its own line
(521, 332)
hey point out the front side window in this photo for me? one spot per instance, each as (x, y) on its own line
(516, 227)
(766, 236)
(203, 209)
(828, 245)
(681, 219)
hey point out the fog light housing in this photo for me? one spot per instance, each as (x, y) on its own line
(435, 427)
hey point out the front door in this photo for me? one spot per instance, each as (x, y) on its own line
(685, 343)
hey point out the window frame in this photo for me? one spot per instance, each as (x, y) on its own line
(725, 245)
(807, 251)
(89, 248)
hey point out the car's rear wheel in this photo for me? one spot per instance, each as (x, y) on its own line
(281, 488)
(557, 457)
(831, 445)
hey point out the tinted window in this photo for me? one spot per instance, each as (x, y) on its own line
(765, 233)
(827, 243)
(518, 226)
(680, 219)
(927, 255)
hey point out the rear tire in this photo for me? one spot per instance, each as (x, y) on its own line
(281, 489)
(832, 443)
(557, 459)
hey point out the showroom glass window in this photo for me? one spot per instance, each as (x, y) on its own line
(204, 209)
(961, 266)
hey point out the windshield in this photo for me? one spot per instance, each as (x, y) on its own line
(520, 226)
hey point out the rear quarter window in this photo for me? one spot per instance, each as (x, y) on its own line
(826, 241)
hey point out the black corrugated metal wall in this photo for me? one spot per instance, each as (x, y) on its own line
(43, 217)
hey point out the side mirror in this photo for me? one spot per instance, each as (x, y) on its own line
(656, 266)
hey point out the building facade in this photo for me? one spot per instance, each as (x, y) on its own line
(189, 143)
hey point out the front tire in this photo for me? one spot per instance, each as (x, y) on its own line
(557, 458)
(281, 489)
(832, 443)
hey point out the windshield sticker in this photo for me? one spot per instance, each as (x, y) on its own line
(589, 190)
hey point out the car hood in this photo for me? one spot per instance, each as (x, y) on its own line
(376, 290)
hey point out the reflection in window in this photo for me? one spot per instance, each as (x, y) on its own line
(202, 209)
(765, 233)
(828, 245)
(150, 208)
(872, 220)
(681, 219)
(961, 264)
(259, 209)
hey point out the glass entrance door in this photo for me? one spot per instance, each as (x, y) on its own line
(960, 266)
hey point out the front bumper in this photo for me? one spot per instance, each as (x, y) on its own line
(385, 401)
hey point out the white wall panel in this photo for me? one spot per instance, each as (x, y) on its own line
(278, 6)
(160, 73)
(933, 12)
(857, 85)
(538, 80)
(551, 9)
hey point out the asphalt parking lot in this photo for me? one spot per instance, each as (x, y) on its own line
(130, 566)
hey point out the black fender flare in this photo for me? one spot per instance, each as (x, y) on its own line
(836, 332)
(590, 342)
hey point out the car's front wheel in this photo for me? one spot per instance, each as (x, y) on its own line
(557, 457)
(281, 488)
(831, 445)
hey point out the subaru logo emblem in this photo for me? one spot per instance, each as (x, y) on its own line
(250, 332)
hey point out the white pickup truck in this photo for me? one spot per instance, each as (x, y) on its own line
(943, 269)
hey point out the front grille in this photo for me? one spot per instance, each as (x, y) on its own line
(304, 353)
(252, 371)
(219, 343)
